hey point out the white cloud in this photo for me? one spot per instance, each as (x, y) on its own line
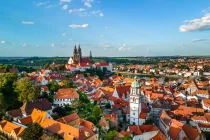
(105, 45)
(201, 40)
(64, 34)
(65, 7)
(79, 26)
(2, 42)
(65, 0)
(88, 3)
(95, 12)
(52, 45)
(101, 14)
(106, 27)
(24, 44)
(52, 6)
(27, 22)
(200, 24)
(42, 3)
(124, 48)
(76, 10)
(101, 35)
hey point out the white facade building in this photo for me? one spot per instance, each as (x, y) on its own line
(135, 103)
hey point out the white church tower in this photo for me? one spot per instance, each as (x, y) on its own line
(135, 102)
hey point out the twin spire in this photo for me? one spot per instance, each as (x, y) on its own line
(78, 53)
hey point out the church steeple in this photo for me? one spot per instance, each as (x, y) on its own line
(91, 56)
(75, 49)
(80, 53)
(75, 53)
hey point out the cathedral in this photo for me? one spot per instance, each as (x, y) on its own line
(77, 58)
(79, 63)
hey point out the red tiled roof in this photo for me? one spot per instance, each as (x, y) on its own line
(2, 70)
(15, 113)
(135, 130)
(66, 93)
(14, 70)
(41, 104)
(26, 120)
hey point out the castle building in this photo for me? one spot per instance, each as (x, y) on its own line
(79, 63)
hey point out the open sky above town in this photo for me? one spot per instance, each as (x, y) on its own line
(106, 27)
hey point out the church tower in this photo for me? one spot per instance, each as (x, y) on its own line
(90, 56)
(75, 53)
(79, 54)
(135, 102)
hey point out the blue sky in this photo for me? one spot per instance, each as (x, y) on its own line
(106, 27)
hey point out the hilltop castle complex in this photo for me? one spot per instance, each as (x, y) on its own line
(79, 63)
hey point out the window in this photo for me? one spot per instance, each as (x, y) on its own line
(133, 113)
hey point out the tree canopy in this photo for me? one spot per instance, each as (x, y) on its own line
(112, 135)
(27, 90)
(32, 132)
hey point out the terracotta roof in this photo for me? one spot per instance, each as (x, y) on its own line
(61, 129)
(14, 70)
(147, 128)
(135, 130)
(207, 115)
(70, 118)
(155, 96)
(2, 70)
(165, 118)
(159, 136)
(41, 104)
(123, 90)
(10, 127)
(66, 93)
(202, 118)
(206, 102)
(112, 117)
(26, 120)
(45, 88)
(87, 124)
(101, 64)
(191, 133)
(15, 113)
(204, 125)
(143, 115)
(103, 122)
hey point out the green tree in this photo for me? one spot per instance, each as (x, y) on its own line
(27, 90)
(127, 137)
(108, 105)
(32, 132)
(6, 83)
(3, 104)
(92, 119)
(83, 97)
(112, 135)
(53, 86)
(97, 111)
(68, 84)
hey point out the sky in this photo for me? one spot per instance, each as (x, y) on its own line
(106, 27)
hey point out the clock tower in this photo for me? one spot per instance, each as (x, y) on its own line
(135, 102)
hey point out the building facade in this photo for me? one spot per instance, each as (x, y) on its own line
(135, 103)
